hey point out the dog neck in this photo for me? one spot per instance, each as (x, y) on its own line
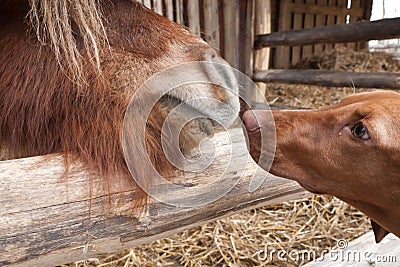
(381, 218)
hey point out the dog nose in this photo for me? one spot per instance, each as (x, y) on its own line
(251, 120)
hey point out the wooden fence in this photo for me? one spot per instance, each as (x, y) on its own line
(305, 14)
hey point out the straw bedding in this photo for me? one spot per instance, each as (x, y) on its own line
(309, 225)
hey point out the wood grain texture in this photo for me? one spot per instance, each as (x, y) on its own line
(44, 219)
(331, 78)
(340, 33)
(211, 23)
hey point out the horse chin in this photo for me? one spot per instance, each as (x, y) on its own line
(189, 123)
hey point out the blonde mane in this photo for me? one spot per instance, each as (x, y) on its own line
(57, 23)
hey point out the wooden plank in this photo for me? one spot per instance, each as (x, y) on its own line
(362, 252)
(329, 10)
(331, 78)
(169, 8)
(221, 22)
(44, 220)
(320, 20)
(262, 25)
(330, 20)
(367, 7)
(231, 29)
(179, 11)
(297, 25)
(341, 18)
(282, 54)
(308, 50)
(343, 33)
(194, 16)
(157, 7)
(244, 47)
(211, 23)
(352, 19)
(147, 3)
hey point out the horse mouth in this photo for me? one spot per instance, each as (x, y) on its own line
(190, 114)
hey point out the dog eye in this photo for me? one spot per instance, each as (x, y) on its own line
(360, 131)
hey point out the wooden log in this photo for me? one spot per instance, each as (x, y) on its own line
(330, 78)
(44, 220)
(341, 33)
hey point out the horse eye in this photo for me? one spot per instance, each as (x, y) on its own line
(360, 131)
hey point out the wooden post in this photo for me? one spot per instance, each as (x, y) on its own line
(308, 24)
(193, 16)
(169, 6)
(44, 220)
(282, 54)
(320, 20)
(331, 78)
(157, 7)
(297, 25)
(211, 23)
(330, 20)
(147, 3)
(179, 11)
(262, 25)
(341, 18)
(231, 28)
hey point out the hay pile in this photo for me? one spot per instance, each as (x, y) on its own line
(310, 225)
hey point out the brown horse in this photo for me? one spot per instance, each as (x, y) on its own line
(69, 69)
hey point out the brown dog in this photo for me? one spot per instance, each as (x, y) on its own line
(350, 150)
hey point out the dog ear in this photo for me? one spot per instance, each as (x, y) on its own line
(379, 231)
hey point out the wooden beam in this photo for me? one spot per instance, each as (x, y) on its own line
(331, 78)
(341, 33)
(44, 220)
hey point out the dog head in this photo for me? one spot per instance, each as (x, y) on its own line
(349, 150)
